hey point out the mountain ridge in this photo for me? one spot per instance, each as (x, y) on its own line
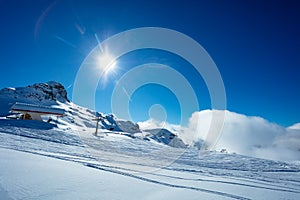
(54, 94)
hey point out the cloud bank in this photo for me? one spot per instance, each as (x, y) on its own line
(247, 135)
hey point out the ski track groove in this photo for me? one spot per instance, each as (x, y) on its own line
(167, 184)
(125, 171)
(232, 183)
(288, 189)
(103, 168)
(106, 168)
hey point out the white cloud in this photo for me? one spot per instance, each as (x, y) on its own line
(247, 135)
(295, 126)
(253, 136)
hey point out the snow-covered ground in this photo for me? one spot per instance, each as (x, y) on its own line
(41, 161)
(65, 160)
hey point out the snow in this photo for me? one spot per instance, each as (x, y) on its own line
(46, 94)
(65, 160)
(110, 121)
(39, 177)
(166, 137)
(41, 161)
(36, 108)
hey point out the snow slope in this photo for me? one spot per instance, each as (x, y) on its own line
(50, 163)
(65, 160)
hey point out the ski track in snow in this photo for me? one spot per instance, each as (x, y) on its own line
(37, 146)
(115, 171)
(167, 184)
(109, 169)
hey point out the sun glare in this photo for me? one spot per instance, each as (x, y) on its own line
(107, 62)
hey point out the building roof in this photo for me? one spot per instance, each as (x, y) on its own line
(24, 107)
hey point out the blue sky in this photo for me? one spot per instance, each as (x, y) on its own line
(255, 44)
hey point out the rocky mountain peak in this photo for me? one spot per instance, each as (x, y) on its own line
(51, 91)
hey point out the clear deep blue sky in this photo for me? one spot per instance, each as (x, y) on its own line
(255, 44)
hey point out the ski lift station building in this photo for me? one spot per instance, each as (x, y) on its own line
(35, 112)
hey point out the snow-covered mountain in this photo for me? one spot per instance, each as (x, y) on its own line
(40, 93)
(64, 159)
(54, 94)
(166, 137)
(111, 122)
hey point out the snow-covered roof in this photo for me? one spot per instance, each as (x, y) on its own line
(24, 107)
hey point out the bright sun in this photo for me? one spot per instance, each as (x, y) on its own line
(107, 62)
